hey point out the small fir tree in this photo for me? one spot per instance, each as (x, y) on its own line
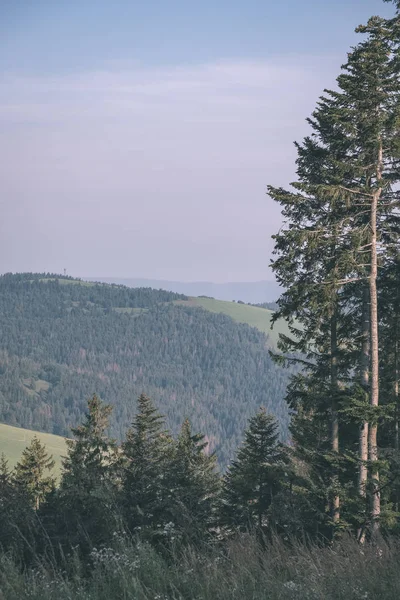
(254, 478)
(86, 502)
(92, 456)
(148, 451)
(195, 483)
(33, 473)
(16, 513)
(5, 474)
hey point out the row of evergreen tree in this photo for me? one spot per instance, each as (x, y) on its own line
(161, 488)
(338, 257)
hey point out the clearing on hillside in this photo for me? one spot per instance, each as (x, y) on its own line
(13, 440)
(242, 313)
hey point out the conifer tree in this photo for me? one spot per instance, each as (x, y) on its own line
(5, 474)
(92, 456)
(32, 473)
(254, 477)
(374, 68)
(195, 483)
(16, 512)
(148, 452)
(85, 505)
(311, 260)
(348, 171)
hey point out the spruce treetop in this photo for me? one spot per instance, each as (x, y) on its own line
(30, 472)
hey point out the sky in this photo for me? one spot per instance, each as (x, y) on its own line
(137, 138)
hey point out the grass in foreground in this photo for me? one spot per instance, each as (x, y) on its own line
(345, 571)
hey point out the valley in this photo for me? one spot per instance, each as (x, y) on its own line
(200, 358)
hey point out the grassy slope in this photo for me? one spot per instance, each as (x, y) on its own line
(242, 313)
(13, 440)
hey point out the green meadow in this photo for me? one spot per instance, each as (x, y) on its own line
(242, 313)
(13, 440)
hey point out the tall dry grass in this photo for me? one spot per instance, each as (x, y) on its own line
(238, 571)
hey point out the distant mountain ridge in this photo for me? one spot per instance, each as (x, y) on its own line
(254, 292)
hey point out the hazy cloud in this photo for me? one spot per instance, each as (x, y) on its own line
(152, 172)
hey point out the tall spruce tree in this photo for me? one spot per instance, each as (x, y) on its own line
(365, 110)
(311, 262)
(348, 170)
(376, 63)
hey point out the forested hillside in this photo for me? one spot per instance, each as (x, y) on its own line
(63, 339)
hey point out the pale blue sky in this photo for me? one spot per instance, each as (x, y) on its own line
(137, 138)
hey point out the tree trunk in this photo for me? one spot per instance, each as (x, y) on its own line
(364, 382)
(334, 417)
(374, 392)
(396, 393)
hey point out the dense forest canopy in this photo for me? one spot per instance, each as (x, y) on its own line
(63, 339)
